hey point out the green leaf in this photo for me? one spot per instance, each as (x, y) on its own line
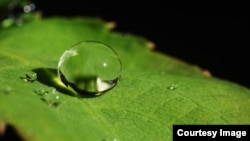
(155, 90)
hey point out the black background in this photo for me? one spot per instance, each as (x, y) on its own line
(216, 42)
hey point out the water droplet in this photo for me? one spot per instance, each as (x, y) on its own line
(7, 90)
(49, 96)
(41, 92)
(173, 86)
(90, 67)
(29, 77)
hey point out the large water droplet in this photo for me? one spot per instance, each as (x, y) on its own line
(90, 67)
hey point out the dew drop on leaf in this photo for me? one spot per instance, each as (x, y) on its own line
(49, 96)
(7, 90)
(90, 67)
(29, 77)
(173, 86)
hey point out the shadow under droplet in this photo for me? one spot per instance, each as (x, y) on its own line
(48, 77)
(85, 80)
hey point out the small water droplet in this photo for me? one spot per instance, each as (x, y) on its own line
(7, 90)
(29, 77)
(173, 86)
(49, 96)
(90, 67)
(41, 92)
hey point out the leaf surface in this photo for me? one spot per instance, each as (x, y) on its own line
(155, 90)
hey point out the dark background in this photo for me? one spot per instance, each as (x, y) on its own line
(216, 42)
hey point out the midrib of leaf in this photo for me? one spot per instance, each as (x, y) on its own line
(20, 58)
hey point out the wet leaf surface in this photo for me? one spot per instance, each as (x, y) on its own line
(155, 90)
